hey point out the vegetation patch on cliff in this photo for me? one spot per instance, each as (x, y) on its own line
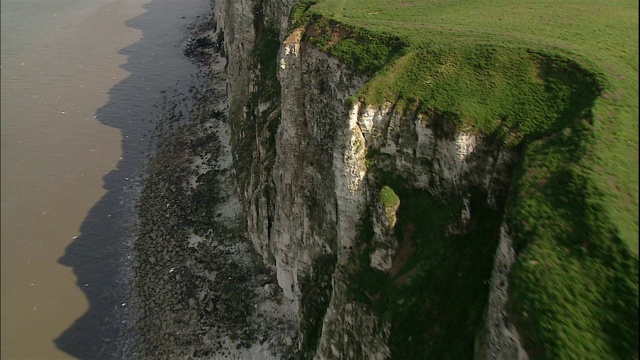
(558, 81)
(579, 293)
(388, 197)
(435, 294)
(390, 201)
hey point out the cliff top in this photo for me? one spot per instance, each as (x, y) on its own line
(557, 80)
(531, 66)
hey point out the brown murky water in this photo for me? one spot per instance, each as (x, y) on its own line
(81, 82)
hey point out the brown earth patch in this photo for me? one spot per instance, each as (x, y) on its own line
(294, 38)
(338, 33)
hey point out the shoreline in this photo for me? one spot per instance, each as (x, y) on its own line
(199, 288)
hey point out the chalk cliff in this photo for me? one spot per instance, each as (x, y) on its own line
(309, 165)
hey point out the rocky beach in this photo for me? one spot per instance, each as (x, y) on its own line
(199, 288)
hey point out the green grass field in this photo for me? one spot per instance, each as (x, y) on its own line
(600, 36)
(557, 80)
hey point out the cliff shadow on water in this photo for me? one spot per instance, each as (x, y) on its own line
(100, 254)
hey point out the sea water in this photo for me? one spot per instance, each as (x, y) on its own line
(82, 84)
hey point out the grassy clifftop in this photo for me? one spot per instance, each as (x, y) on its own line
(484, 45)
(557, 80)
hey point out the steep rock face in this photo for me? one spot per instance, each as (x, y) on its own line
(307, 217)
(499, 339)
(432, 154)
(251, 29)
(300, 158)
